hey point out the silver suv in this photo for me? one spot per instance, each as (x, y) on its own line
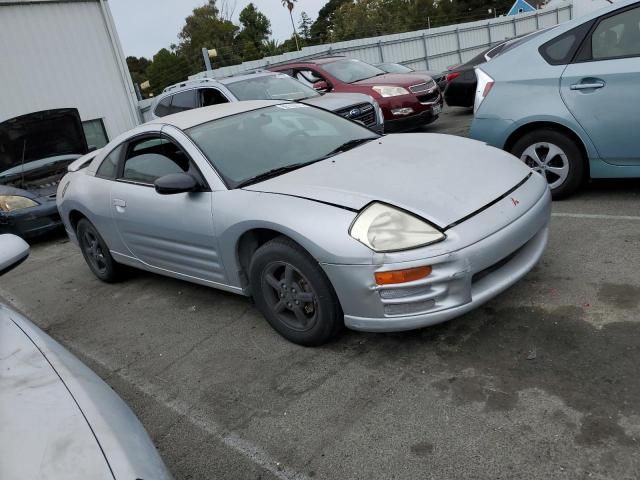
(265, 86)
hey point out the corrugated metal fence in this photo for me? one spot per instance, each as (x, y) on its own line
(433, 49)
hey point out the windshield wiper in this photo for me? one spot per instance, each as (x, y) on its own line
(348, 146)
(274, 172)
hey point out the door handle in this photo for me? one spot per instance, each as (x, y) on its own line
(117, 202)
(586, 86)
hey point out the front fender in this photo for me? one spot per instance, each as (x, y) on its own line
(321, 229)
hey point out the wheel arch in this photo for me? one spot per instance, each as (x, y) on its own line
(549, 125)
(75, 216)
(249, 242)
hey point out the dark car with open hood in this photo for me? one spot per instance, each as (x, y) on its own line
(35, 150)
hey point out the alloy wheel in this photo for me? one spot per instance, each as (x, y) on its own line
(94, 251)
(290, 296)
(549, 160)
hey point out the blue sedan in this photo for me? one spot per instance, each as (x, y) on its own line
(567, 102)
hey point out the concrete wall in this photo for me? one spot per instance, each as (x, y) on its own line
(64, 54)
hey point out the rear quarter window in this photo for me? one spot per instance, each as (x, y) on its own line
(562, 49)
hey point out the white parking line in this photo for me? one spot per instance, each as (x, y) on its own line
(595, 216)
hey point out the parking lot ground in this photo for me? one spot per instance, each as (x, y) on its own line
(541, 382)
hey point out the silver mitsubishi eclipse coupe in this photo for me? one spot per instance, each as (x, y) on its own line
(321, 221)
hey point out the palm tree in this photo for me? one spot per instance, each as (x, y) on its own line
(271, 47)
(289, 5)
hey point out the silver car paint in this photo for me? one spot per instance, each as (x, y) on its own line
(438, 177)
(58, 419)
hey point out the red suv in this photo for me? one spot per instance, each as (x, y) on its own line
(407, 101)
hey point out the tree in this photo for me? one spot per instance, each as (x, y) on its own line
(322, 28)
(206, 28)
(138, 69)
(166, 69)
(289, 5)
(271, 47)
(256, 29)
(304, 27)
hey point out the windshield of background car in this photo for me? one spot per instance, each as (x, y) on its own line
(271, 87)
(352, 70)
(395, 68)
(248, 144)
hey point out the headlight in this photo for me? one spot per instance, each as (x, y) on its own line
(384, 228)
(387, 91)
(9, 203)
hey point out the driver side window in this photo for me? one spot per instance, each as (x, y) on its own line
(150, 158)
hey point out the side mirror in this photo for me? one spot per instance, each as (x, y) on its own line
(321, 86)
(91, 148)
(176, 183)
(13, 251)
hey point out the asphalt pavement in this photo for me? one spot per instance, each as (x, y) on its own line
(540, 383)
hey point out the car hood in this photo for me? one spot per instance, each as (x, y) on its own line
(46, 435)
(401, 79)
(36, 148)
(441, 178)
(338, 101)
(65, 421)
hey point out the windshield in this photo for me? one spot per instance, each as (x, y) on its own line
(352, 70)
(395, 68)
(281, 136)
(271, 87)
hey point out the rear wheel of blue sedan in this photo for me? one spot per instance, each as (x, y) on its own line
(294, 294)
(556, 157)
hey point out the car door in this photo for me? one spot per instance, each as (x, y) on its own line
(601, 86)
(174, 232)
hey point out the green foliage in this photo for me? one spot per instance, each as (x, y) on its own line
(167, 68)
(138, 69)
(304, 27)
(205, 27)
(322, 29)
(256, 29)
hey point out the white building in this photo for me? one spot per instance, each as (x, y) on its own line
(65, 53)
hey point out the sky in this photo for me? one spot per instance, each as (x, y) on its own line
(146, 26)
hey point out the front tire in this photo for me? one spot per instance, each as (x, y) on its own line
(96, 253)
(556, 157)
(294, 294)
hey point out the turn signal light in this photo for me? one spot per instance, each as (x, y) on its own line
(402, 276)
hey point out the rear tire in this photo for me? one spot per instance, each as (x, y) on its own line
(294, 294)
(96, 253)
(555, 156)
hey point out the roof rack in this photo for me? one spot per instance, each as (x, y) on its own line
(196, 81)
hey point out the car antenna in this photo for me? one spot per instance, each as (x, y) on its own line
(24, 150)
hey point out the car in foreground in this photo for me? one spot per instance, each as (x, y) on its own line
(59, 419)
(265, 85)
(35, 150)
(408, 101)
(321, 221)
(439, 77)
(583, 116)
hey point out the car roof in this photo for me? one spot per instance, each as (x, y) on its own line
(316, 61)
(198, 116)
